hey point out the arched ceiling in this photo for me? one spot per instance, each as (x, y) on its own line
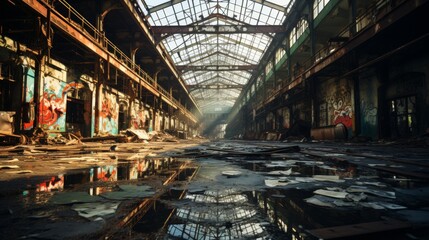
(216, 44)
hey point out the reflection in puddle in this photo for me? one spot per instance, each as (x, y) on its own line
(55, 183)
(129, 170)
(215, 214)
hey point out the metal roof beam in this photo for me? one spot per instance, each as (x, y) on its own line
(214, 98)
(185, 68)
(225, 37)
(232, 55)
(216, 86)
(217, 29)
(217, 77)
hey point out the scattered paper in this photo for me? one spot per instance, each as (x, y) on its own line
(20, 172)
(231, 173)
(333, 194)
(9, 166)
(13, 160)
(328, 178)
(93, 210)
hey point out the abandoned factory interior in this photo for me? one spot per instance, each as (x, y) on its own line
(214, 119)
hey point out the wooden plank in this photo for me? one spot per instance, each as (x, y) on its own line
(358, 229)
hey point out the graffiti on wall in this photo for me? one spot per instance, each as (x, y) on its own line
(343, 113)
(369, 113)
(53, 102)
(109, 114)
(339, 104)
(137, 117)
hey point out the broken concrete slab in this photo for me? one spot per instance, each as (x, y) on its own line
(139, 133)
(95, 209)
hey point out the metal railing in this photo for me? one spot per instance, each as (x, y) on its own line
(74, 18)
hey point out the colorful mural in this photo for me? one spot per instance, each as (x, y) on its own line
(103, 173)
(343, 113)
(137, 117)
(109, 114)
(107, 173)
(52, 105)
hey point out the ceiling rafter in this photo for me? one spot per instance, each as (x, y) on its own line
(184, 68)
(236, 57)
(211, 37)
(216, 86)
(216, 29)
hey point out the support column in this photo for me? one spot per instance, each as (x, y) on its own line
(98, 87)
(38, 88)
(99, 79)
(155, 76)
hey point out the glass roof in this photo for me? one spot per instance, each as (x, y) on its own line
(215, 49)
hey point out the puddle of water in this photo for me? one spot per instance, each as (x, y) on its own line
(217, 214)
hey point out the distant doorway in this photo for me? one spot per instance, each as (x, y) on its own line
(123, 120)
(402, 117)
(74, 117)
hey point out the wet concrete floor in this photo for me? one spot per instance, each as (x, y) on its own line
(215, 190)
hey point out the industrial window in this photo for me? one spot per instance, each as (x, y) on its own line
(279, 54)
(403, 116)
(259, 81)
(268, 67)
(297, 31)
(318, 6)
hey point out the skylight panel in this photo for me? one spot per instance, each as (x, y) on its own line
(216, 49)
